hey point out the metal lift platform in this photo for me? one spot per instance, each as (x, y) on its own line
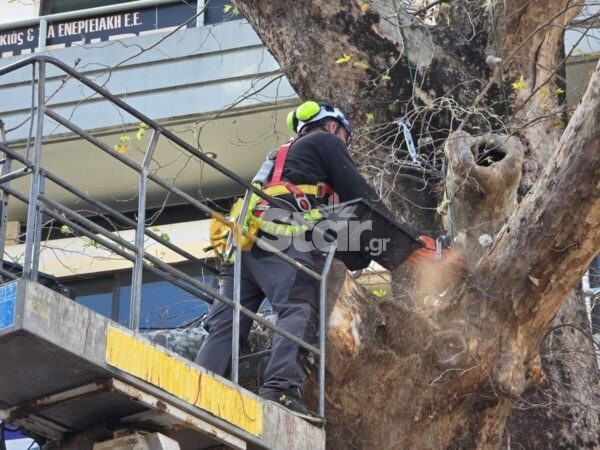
(66, 369)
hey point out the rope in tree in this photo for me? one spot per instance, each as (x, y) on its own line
(497, 49)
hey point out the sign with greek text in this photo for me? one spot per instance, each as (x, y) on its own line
(103, 28)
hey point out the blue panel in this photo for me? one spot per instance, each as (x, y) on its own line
(8, 296)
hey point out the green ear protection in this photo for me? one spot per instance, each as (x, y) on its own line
(292, 121)
(304, 113)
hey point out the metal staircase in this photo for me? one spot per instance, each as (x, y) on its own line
(84, 372)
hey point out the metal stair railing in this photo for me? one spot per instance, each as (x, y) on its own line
(40, 205)
(5, 177)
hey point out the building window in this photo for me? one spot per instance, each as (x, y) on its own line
(95, 293)
(164, 305)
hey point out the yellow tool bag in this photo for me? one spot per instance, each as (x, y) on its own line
(222, 226)
(218, 232)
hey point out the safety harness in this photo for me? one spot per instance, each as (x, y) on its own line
(277, 186)
(257, 206)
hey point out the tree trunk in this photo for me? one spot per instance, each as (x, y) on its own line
(446, 375)
(566, 402)
(440, 364)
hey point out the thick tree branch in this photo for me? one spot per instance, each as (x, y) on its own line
(481, 187)
(552, 248)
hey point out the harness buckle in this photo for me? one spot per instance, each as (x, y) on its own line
(302, 201)
(259, 210)
(321, 190)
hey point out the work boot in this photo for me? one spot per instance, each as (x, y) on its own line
(290, 402)
(293, 404)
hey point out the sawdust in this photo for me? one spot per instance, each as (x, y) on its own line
(436, 283)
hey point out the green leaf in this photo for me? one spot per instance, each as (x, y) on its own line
(360, 65)
(232, 9)
(141, 131)
(386, 77)
(344, 59)
(162, 234)
(123, 144)
(65, 229)
(559, 91)
(379, 293)
(370, 117)
(519, 85)
(90, 244)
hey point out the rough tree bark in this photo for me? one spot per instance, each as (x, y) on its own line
(561, 408)
(441, 363)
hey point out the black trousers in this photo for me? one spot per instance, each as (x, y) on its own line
(293, 295)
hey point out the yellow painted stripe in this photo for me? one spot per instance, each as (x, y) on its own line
(144, 361)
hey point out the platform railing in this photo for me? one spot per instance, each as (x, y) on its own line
(40, 205)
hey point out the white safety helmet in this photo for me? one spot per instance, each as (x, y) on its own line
(312, 112)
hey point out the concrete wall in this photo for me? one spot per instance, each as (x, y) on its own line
(579, 70)
(11, 10)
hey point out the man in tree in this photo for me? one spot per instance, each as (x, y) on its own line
(307, 171)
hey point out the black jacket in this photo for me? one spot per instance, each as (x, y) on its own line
(320, 156)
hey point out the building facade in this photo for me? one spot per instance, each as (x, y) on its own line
(197, 69)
